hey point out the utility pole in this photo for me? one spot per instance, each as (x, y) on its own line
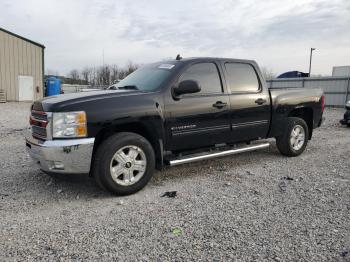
(311, 49)
(103, 57)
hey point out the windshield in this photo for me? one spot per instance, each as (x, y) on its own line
(144, 79)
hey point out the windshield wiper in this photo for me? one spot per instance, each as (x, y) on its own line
(129, 87)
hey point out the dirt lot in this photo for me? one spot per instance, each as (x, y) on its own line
(258, 206)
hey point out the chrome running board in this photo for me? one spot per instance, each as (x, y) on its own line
(192, 158)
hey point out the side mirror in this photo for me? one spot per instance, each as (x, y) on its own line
(347, 105)
(187, 87)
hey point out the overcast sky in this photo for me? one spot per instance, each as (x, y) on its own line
(277, 34)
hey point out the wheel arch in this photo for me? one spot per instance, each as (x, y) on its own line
(305, 113)
(139, 128)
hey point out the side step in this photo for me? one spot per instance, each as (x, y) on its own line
(192, 158)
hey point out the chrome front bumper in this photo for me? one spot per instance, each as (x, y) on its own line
(61, 156)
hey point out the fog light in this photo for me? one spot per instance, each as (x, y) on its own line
(57, 165)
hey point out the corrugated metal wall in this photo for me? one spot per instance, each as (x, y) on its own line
(19, 57)
(67, 89)
(336, 89)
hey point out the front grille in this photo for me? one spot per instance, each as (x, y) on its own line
(39, 115)
(39, 122)
(39, 131)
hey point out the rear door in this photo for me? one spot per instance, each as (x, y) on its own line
(199, 119)
(250, 102)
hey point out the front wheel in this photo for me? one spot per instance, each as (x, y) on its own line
(295, 137)
(124, 163)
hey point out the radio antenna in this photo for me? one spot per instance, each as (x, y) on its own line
(178, 57)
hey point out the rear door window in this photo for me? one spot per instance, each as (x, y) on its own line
(242, 78)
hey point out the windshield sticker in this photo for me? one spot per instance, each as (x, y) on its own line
(166, 66)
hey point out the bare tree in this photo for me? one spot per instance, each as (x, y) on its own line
(86, 74)
(114, 74)
(102, 75)
(131, 67)
(74, 74)
(93, 77)
(267, 72)
(124, 72)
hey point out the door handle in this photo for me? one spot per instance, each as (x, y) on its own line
(220, 104)
(260, 101)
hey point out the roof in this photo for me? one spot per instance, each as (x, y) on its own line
(204, 59)
(23, 38)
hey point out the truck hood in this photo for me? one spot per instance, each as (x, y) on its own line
(59, 102)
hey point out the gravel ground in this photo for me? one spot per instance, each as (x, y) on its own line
(257, 206)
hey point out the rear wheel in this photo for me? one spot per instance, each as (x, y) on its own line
(124, 163)
(294, 140)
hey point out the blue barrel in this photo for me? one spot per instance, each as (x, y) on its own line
(53, 86)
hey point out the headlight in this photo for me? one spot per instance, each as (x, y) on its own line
(69, 124)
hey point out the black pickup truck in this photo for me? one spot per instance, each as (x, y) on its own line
(169, 113)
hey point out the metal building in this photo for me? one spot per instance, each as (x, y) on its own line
(21, 67)
(341, 71)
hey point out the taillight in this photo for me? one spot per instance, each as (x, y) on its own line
(323, 102)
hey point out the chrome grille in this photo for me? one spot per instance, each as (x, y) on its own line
(39, 115)
(39, 131)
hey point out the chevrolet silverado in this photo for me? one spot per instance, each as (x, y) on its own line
(169, 113)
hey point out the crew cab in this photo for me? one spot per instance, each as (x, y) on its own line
(169, 113)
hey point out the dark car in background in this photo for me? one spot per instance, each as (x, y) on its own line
(346, 119)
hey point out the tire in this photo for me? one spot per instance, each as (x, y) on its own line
(284, 142)
(124, 163)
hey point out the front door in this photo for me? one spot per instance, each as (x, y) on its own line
(250, 102)
(199, 119)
